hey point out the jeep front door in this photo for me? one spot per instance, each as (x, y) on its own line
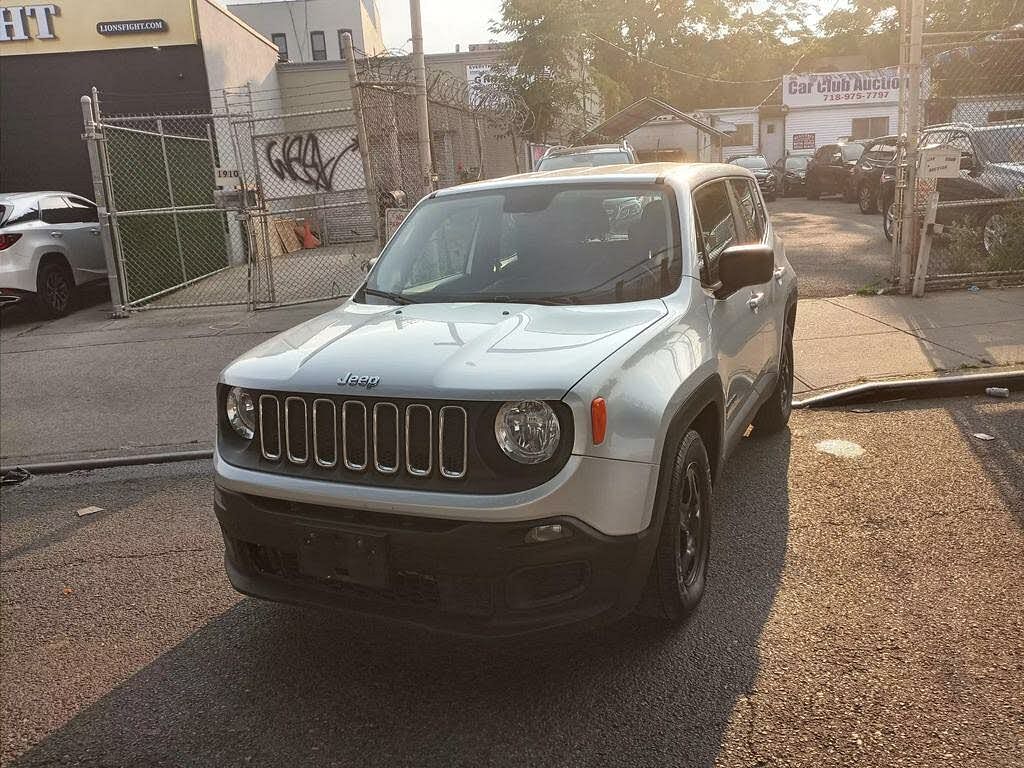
(736, 319)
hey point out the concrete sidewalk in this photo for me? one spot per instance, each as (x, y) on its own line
(87, 386)
(864, 338)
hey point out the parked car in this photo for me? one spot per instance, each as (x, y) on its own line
(758, 165)
(828, 172)
(790, 173)
(867, 173)
(991, 168)
(49, 247)
(516, 422)
(588, 156)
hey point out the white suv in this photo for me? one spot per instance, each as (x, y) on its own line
(517, 421)
(49, 245)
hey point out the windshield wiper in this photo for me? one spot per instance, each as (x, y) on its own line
(395, 297)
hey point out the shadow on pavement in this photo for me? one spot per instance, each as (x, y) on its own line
(264, 684)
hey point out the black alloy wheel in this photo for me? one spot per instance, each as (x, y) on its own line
(867, 199)
(55, 290)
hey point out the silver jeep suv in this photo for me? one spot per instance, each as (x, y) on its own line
(517, 421)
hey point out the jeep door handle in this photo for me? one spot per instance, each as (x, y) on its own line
(56, 234)
(754, 302)
(778, 273)
(94, 232)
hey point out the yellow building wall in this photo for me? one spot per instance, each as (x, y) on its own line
(73, 25)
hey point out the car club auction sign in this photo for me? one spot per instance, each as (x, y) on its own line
(876, 86)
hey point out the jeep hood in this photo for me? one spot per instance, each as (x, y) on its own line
(474, 351)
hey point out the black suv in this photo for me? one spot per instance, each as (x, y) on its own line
(758, 165)
(991, 167)
(828, 172)
(867, 173)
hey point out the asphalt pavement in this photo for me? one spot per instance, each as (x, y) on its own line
(862, 610)
(835, 249)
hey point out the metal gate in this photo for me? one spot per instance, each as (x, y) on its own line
(219, 209)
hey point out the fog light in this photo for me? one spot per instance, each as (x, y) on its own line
(541, 533)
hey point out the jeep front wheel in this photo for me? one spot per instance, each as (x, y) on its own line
(678, 574)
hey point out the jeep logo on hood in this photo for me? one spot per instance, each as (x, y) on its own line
(355, 380)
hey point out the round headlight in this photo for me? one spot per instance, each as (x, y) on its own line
(527, 431)
(241, 412)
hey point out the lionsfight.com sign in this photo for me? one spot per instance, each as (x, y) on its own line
(134, 27)
(876, 86)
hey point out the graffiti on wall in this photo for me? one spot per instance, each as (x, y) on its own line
(305, 160)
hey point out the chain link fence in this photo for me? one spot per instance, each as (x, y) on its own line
(968, 218)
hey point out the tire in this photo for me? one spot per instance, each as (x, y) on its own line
(678, 573)
(55, 289)
(811, 191)
(993, 232)
(867, 199)
(773, 416)
(889, 220)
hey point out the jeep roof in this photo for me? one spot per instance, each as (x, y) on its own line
(689, 174)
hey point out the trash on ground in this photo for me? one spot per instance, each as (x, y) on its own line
(997, 391)
(88, 511)
(862, 410)
(983, 436)
(973, 288)
(844, 449)
(14, 475)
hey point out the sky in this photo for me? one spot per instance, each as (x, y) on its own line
(445, 23)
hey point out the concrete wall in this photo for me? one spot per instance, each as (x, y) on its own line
(321, 85)
(236, 55)
(297, 20)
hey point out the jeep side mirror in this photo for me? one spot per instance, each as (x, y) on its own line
(740, 266)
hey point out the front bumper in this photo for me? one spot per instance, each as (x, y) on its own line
(767, 185)
(468, 577)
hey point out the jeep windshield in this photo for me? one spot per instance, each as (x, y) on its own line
(583, 160)
(549, 244)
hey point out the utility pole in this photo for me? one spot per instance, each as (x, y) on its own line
(422, 116)
(913, 124)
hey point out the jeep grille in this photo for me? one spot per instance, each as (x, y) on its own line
(419, 439)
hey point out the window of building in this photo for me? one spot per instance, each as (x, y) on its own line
(280, 39)
(341, 46)
(1005, 115)
(770, 128)
(744, 135)
(318, 44)
(870, 127)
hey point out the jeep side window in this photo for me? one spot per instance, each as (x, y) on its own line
(717, 225)
(54, 210)
(750, 209)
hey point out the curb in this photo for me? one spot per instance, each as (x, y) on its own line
(916, 389)
(62, 467)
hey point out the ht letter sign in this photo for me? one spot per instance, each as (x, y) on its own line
(14, 22)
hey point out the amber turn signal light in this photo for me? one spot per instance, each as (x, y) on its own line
(598, 419)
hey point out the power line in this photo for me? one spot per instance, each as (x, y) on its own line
(675, 71)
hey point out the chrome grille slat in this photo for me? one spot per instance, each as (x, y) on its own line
(293, 456)
(460, 412)
(318, 404)
(349, 464)
(409, 411)
(378, 409)
(265, 404)
(307, 430)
